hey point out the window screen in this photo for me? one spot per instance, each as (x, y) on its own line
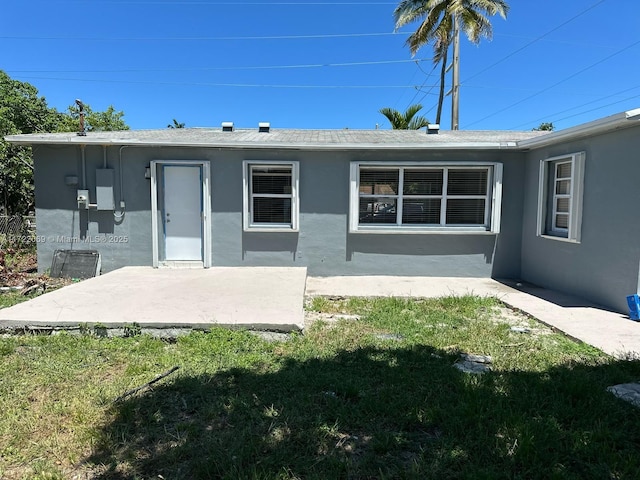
(412, 196)
(271, 195)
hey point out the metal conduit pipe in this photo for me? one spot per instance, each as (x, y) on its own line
(120, 216)
(84, 167)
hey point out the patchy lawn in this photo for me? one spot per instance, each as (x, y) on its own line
(369, 392)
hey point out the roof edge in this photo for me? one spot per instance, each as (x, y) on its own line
(627, 119)
(23, 140)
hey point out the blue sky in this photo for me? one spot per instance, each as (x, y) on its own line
(319, 64)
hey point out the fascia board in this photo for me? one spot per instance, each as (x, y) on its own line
(23, 140)
(603, 125)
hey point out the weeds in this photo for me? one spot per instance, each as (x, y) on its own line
(370, 398)
(132, 330)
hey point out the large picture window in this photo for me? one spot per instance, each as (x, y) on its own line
(560, 197)
(420, 198)
(270, 196)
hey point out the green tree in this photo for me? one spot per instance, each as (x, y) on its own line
(176, 124)
(406, 120)
(94, 121)
(437, 20)
(22, 110)
(545, 127)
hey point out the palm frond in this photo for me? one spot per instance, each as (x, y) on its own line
(418, 122)
(406, 120)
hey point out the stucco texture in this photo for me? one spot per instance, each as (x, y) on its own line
(322, 244)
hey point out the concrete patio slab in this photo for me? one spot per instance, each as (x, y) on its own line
(262, 298)
(272, 298)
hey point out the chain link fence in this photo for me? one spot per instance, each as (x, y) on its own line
(17, 230)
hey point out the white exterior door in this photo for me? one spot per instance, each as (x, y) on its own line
(182, 213)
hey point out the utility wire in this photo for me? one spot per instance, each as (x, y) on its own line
(547, 117)
(600, 107)
(198, 39)
(597, 108)
(537, 39)
(240, 4)
(540, 92)
(418, 89)
(201, 69)
(418, 67)
(207, 84)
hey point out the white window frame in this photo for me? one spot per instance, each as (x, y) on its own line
(247, 215)
(546, 197)
(492, 206)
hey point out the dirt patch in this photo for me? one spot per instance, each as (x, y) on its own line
(310, 317)
(16, 266)
(19, 271)
(519, 322)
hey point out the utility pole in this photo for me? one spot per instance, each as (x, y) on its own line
(455, 89)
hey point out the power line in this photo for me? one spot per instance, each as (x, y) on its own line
(418, 67)
(557, 83)
(418, 89)
(200, 69)
(535, 40)
(518, 89)
(561, 42)
(282, 37)
(198, 39)
(550, 116)
(597, 108)
(208, 84)
(239, 4)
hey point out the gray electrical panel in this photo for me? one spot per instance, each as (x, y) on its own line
(104, 189)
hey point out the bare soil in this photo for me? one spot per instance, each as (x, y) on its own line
(19, 268)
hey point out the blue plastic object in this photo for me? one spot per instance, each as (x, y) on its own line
(634, 306)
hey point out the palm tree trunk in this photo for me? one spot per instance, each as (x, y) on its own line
(443, 71)
(455, 74)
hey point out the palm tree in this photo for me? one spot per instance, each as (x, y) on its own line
(406, 120)
(439, 22)
(176, 124)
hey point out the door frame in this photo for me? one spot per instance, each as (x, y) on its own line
(206, 206)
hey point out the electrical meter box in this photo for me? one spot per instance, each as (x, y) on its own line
(104, 189)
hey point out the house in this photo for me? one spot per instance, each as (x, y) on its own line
(554, 209)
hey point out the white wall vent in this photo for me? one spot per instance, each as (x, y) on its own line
(227, 126)
(264, 127)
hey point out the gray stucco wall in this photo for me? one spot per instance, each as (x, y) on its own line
(603, 267)
(323, 243)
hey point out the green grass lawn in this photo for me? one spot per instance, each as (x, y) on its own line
(340, 401)
(13, 297)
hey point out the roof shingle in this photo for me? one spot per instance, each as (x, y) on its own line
(289, 138)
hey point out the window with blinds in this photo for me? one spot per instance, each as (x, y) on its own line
(446, 196)
(270, 196)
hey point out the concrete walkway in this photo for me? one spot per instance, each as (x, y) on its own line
(272, 298)
(609, 331)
